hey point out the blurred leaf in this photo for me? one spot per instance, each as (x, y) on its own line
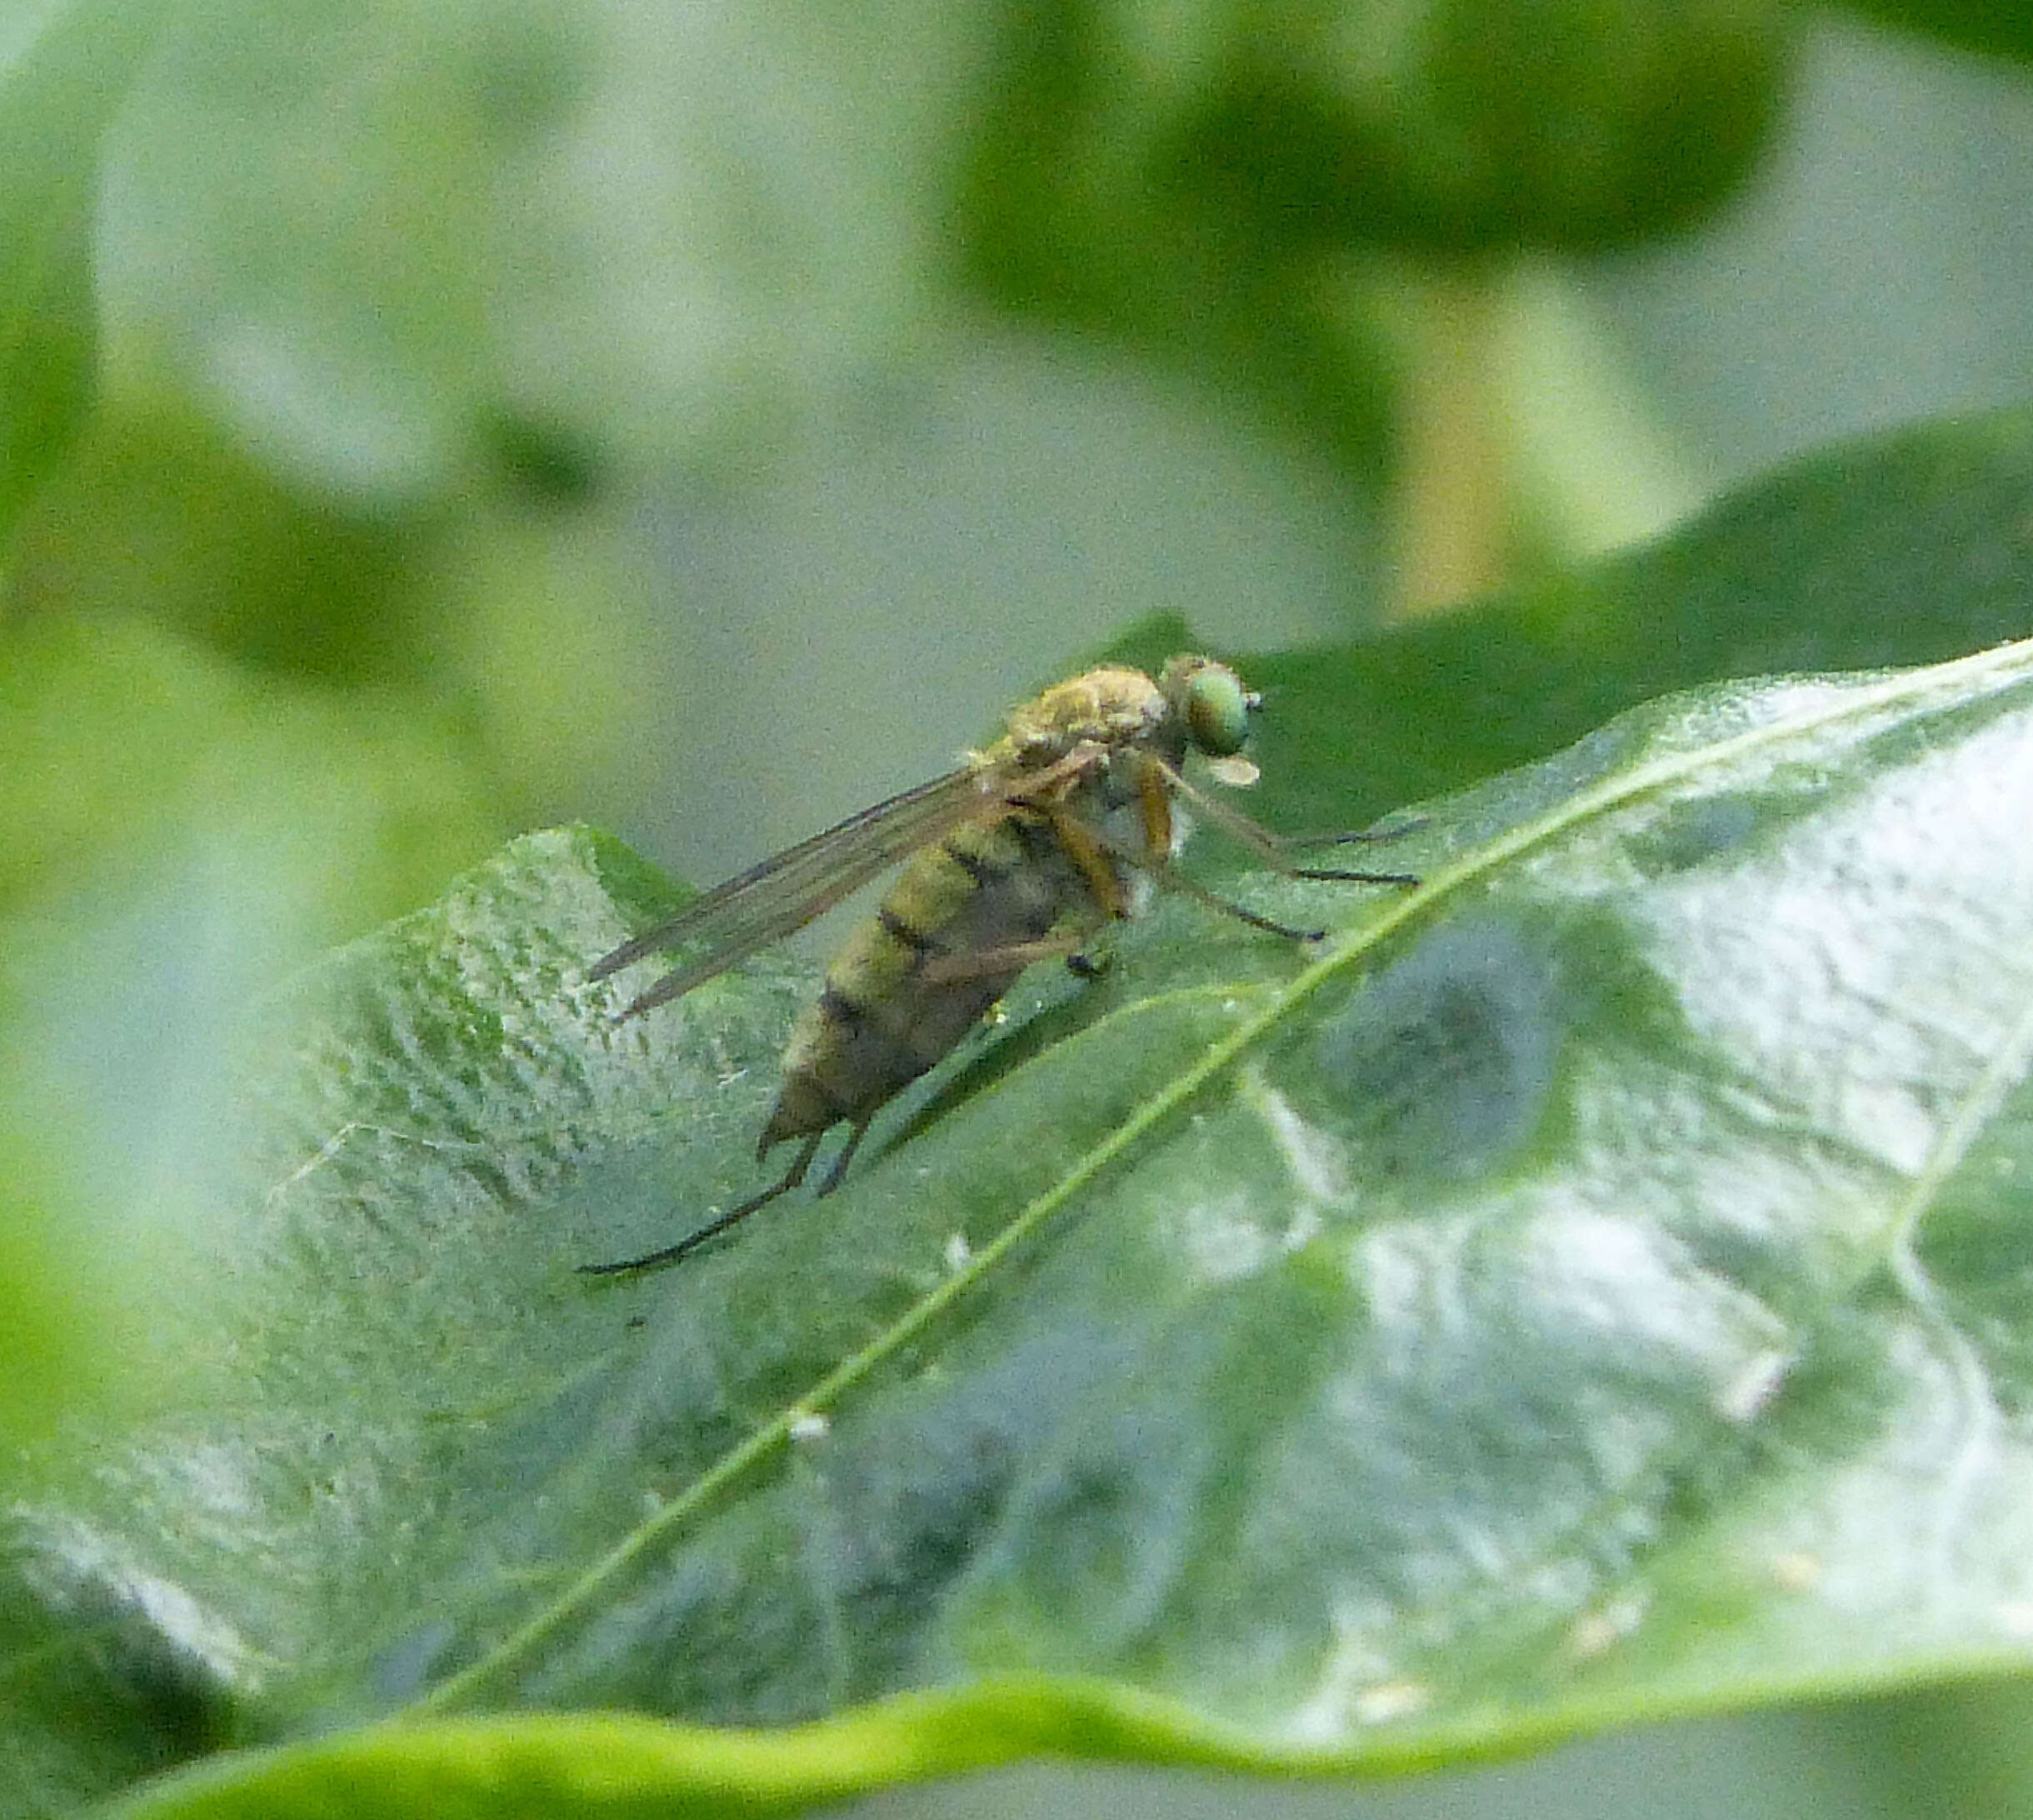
(65, 67)
(1955, 1749)
(1464, 125)
(1170, 177)
(1139, 150)
(1901, 548)
(1593, 1288)
(55, 1309)
(1974, 25)
(122, 745)
(1062, 217)
(175, 837)
(393, 246)
(158, 513)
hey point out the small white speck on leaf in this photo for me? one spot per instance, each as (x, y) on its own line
(1595, 1632)
(1389, 1700)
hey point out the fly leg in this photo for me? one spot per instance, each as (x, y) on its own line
(1348, 876)
(713, 1228)
(1092, 850)
(1012, 958)
(1169, 876)
(1172, 879)
(1351, 836)
(1156, 781)
(1291, 842)
(840, 1161)
(1086, 958)
(1275, 849)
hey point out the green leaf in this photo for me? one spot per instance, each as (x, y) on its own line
(175, 834)
(1591, 1288)
(1892, 549)
(1456, 126)
(1976, 25)
(388, 247)
(1064, 216)
(611, 1765)
(1130, 138)
(64, 69)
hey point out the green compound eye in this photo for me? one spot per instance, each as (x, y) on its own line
(1217, 710)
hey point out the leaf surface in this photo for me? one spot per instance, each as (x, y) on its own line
(1592, 1288)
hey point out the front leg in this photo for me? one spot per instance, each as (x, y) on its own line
(1011, 957)
(1275, 849)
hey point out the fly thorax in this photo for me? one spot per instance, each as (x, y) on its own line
(1109, 706)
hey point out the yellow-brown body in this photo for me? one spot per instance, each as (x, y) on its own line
(913, 979)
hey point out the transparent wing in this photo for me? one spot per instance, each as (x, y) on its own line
(778, 898)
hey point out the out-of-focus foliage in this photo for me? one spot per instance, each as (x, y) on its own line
(377, 381)
(174, 834)
(1637, 1199)
(65, 70)
(393, 248)
(1981, 25)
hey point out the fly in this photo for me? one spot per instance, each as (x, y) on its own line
(1025, 853)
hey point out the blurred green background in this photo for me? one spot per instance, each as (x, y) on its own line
(421, 422)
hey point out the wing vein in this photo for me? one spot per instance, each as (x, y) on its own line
(779, 897)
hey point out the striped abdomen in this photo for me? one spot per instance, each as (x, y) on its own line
(881, 1022)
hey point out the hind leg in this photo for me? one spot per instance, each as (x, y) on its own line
(713, 1228)
(846, 1157)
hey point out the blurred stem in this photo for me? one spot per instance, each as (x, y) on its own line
(1452, 509)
